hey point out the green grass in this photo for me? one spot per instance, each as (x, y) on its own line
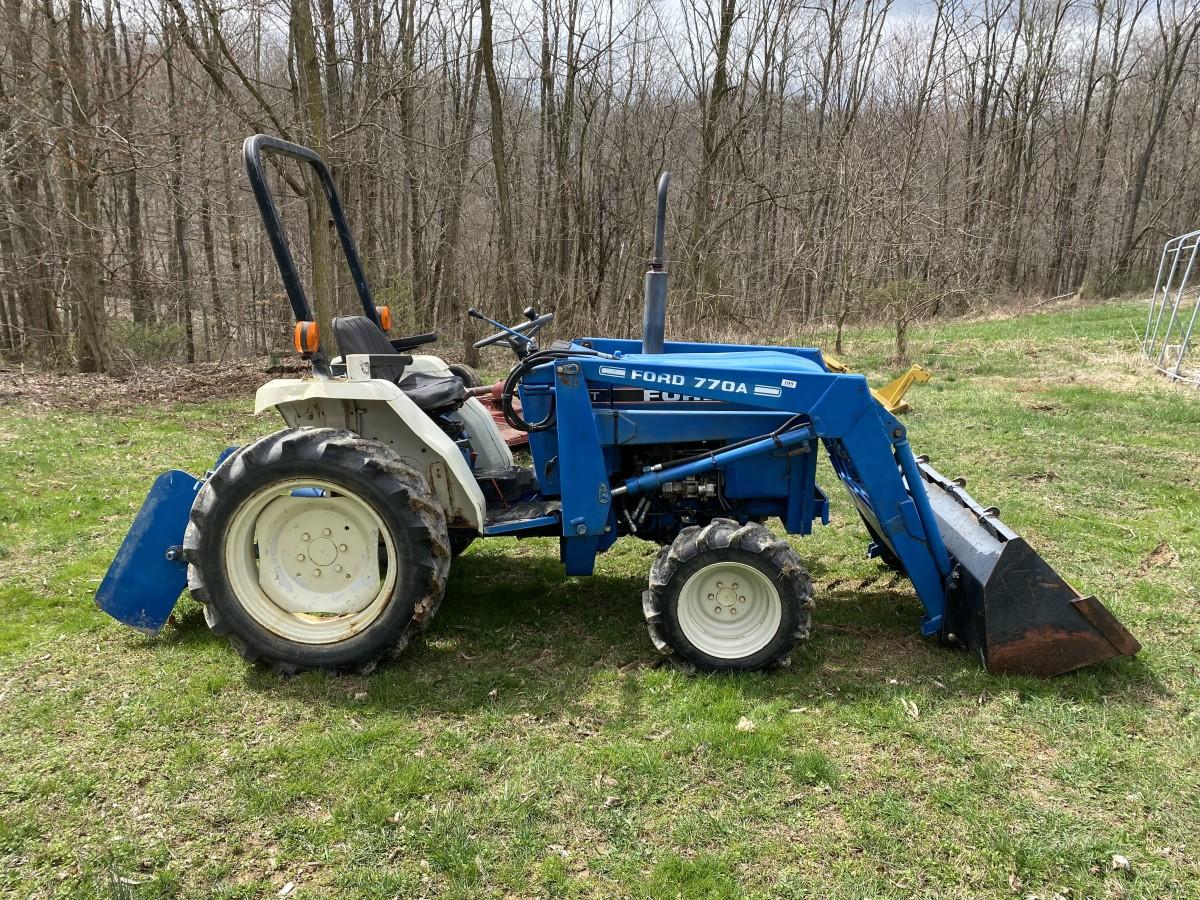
(528, 747)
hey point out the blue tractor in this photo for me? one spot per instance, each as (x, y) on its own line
(327, 545)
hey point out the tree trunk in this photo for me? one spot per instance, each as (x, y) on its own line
(1176, 48)
(43, 328)
(447, 273)
(180, 264)
(412, 160)
(141, 300)
(85, 291)
(313, 108)
(210, 260)
(703, 274)
(233, 238)
(508, 244)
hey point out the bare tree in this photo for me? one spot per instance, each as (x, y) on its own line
(833, 162)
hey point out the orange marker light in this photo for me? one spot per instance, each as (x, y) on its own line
(306, 338)
(385, 317)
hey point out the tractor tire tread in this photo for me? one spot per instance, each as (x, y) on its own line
(722, 534)
(399, 482)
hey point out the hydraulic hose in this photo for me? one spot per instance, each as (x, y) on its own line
(794, 422)
(515, 376)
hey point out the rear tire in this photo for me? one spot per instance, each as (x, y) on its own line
(727, 597)
(334, 578)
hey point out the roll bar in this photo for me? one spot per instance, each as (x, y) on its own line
(254, 148)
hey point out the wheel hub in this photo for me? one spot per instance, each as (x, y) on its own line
(729, 610)
(323, 551)
(318, 555)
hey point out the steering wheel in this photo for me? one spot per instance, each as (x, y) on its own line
(519, 337)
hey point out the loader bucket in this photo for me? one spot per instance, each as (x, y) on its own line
(1006, 603)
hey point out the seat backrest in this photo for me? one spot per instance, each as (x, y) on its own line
(358, 334)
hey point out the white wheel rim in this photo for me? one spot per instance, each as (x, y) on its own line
(729, 610)
(309, 568)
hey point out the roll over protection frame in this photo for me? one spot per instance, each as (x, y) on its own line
(254, 149)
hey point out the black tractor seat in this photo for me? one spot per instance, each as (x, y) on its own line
(432, 393)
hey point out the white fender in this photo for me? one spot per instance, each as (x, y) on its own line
(378, 410)
(490, 450)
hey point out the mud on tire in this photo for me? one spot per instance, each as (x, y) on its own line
(365, 470)
(725, 545)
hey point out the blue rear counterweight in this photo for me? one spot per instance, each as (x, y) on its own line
(149, 573)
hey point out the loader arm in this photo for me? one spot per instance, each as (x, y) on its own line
(1000, 598)
(866, 444)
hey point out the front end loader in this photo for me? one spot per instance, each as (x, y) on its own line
(328, 544)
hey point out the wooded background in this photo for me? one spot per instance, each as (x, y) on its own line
(851, 160)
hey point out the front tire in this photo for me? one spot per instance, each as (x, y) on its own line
(468, 376)
(727, 597)
(313, 548)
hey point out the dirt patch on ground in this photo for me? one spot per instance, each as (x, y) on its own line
(1038, 406)
(1119, 382)
(200, 383)
(1161, 557)
(1108, 370)
(1119, 370)
(1041, 477)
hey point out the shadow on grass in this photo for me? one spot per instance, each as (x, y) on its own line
(873, 630)
(521, 638)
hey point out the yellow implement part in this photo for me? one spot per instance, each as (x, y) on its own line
(891, 395)
(833, 364)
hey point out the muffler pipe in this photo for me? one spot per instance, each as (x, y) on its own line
(654, 316)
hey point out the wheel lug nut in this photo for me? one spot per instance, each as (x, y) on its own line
(327, 532)
(305, 537)
(343, 548)
(717, 610)
(741, 599)
(337, 568)
(316, 573)
(300, 557)
(712, 596)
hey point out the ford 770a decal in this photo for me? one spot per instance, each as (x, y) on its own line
(676, 380)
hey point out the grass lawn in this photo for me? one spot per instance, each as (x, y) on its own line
(529, 746)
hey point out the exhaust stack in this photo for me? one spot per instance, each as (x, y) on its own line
(654, 317)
